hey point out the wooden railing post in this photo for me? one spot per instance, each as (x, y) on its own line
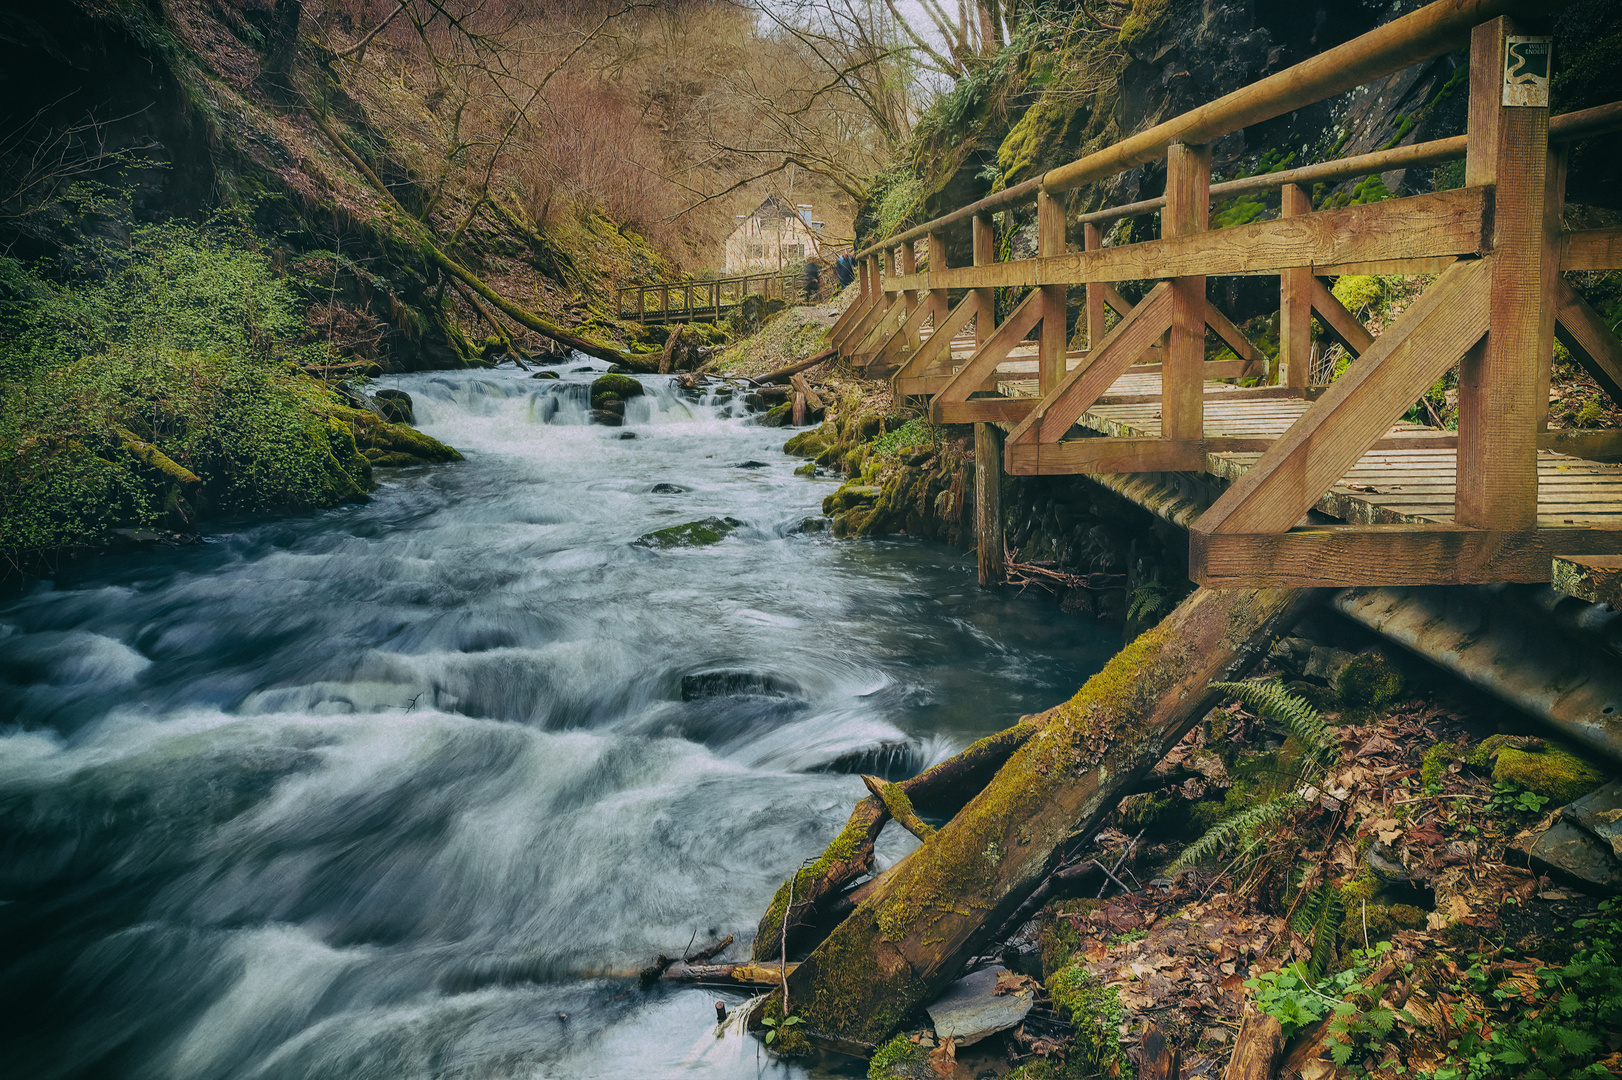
(1092, 239)
(988, 450)
(909, 267)
(984, 255)
(1294, 306)
(1188, 207)
(1050, 241)
(641, 303)
(1499, 379)
(1554, 212)
(939, 303)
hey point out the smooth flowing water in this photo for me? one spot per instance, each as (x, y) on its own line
(404, 789)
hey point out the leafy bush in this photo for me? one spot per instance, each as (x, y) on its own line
(150, 384)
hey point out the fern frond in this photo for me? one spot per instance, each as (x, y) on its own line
(1245, 823)
(1271, 699)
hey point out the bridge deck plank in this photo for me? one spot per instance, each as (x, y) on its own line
(1385, 486)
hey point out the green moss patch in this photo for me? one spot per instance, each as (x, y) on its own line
(1549, 770)
(710, 530)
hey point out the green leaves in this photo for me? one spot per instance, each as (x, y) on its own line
(774, 1026)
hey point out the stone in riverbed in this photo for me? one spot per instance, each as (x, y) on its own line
(546, 375)
(710, 530)
(971, 1008)
(669, 489)
(728, 682)
(395, 405)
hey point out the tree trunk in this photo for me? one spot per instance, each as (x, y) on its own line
(940, 906)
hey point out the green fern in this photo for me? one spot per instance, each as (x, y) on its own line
(1317, 919)
(1246, 823)
(1148, 602)
(1309, 728)
(1272, 700)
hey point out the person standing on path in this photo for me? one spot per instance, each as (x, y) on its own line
(813, 280)
(845, 269)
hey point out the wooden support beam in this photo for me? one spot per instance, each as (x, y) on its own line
(1403, 231)
(905, 333)
(1591, 343)
(1498, 380)
(1187, 213)
(1595, 578)
(985, 255)
(994, 350)
(938, 347)
(1050, 420)
(1604, 444)
(1050, 240)
(1359, 407)
(988, 530)
(1242, 346)
(939, 302)
(1295, 305)
(1342, 324)
(1591, 249)
(872, 331)
(1340, 555)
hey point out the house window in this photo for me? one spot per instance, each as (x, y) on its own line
(757, 251)
(793, 252)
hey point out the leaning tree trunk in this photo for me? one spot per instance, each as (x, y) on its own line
(939, 907)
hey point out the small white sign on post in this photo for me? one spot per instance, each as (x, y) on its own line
(1526, 71)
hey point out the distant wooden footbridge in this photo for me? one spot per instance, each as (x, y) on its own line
(1302, 485)
(698, 301)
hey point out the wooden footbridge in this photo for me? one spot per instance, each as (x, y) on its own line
(696, 301)
(1313, 485)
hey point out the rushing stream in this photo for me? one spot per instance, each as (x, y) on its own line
(404, 789)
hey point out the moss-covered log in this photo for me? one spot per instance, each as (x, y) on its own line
(941, 789)
(899, 807)
(939, 906)
(148, 454)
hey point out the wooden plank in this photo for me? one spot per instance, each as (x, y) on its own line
(1213, 369)
(1342, 324)
(1603, 445)
(1082, 387)
(1443, 223)
(1595, 578)
(1341, 555)
(1584, 333)
(1119, 455)
(1592, 249)
(1550, 235)
(994, 349)
(1236, 340)
(1499, 408)
(1050, 240)
(1187, 213)
(988, 529)
(888, 313)
(938, 346)
(1295, 304)
(1359, 407)
(858, 330)
(982, 410)
(1213, 396)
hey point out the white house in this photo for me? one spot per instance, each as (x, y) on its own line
(774, 236)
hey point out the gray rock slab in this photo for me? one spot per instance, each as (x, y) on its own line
(971, 1009)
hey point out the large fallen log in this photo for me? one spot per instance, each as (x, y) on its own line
(939, 907)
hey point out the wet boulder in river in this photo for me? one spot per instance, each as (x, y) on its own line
(546, 375)
(710, 530)
(727, 682)
(607, 390)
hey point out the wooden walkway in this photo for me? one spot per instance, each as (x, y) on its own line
(1319, 484)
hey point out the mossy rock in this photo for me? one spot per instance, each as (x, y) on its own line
(402, 439)
(1369, 681)
(848, 497)
(546, 375)
(808, 469)
(900, 1059)
(810, 444)
(1550, 770)
(610, 388)
(710, 530)
(396, 406)
(1383, 920)
(388, 459)
(779, 415)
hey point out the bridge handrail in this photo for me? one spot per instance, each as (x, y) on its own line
(712, 286)
(1431, 31)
